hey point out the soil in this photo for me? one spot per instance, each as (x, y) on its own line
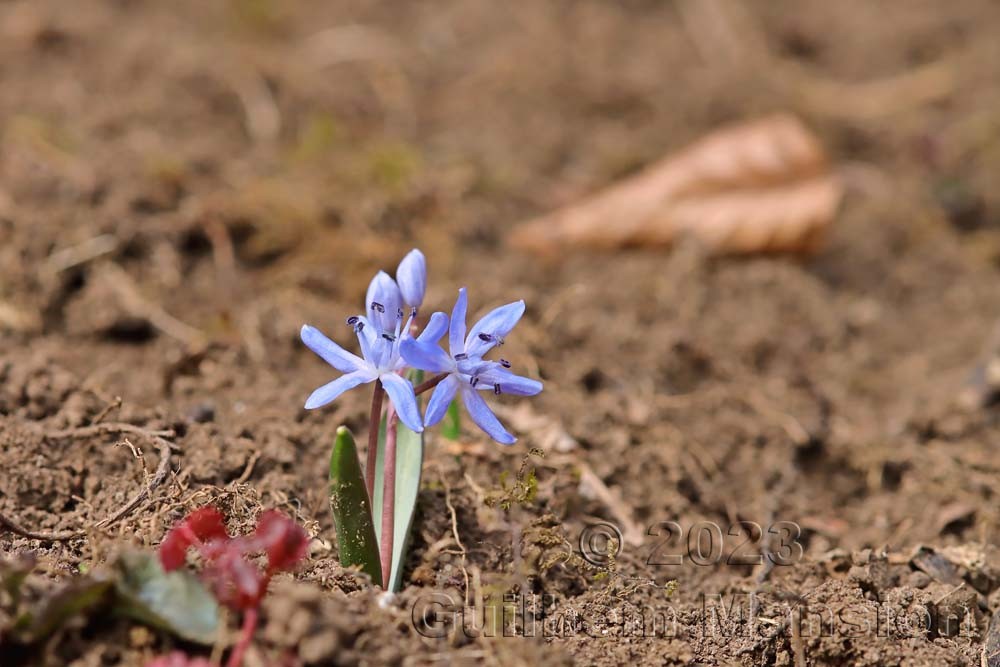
(184, 184)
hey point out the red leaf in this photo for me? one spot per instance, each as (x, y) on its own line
(236, 583)
(284, 540)
(173, 550)
(206, 524)
(198, 527)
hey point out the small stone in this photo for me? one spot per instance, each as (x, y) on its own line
(202, 413)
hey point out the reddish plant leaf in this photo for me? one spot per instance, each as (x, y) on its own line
(284, 541)
(202, 525)
(173, 550)
(236, 582)
(206, 523)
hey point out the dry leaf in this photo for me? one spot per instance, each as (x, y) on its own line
(762, 186)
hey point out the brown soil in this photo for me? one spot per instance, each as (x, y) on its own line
(251, 170)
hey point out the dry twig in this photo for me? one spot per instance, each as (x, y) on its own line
(631, 531)
(81, 253)
(132, 300)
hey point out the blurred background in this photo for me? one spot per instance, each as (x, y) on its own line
(183, 184)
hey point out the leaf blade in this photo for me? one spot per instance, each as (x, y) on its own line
(451, 427)
(352, 516)
(409, 469)
(173, 601)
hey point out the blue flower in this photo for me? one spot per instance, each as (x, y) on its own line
(468, 373)
(412, 278)
(379, 336)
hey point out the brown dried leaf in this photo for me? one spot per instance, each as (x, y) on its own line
(761, 186)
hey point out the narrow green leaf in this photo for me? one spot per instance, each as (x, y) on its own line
(409, 467)
(451, 427)
(77, 597)
(173, 601)
(12, 575)
(351, 511)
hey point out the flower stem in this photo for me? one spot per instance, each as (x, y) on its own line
(429, 384)
(246, 635)
(388, 496)
(373, 426)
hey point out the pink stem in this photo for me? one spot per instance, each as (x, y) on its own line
(388, 495)
(374, 421)
(430, 384)
(246, 636)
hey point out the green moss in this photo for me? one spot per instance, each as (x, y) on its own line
(524, 489)
(393, 165)
(261, 16)
(319, 134)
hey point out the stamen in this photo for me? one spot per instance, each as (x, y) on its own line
(352, 320)
(461, 356)
(378, 306)
(359, 327)
(474, 380)
(389, 337)
(505, 363)
(413, 311)
(399, 313)
(496, 389)
(490, 338)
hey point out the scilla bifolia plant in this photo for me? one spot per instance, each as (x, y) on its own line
(373, 514)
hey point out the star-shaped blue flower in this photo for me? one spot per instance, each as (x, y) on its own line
(468, 373)
(379, 335)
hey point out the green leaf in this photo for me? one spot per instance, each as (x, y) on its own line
(79, 596)
(12, 576)
(173, 601)
(352, 514)
(409, 467)
(451, 427)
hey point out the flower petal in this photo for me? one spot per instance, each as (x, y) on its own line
(367, 339)
(436, 327)
(443, 394)
(383, 291)
(332, 390)
(509, 383)
(401, 393)
(484, 417)
(497, 324)
(425, 356)
(412, 278)
(456, 330)
(333, 354)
